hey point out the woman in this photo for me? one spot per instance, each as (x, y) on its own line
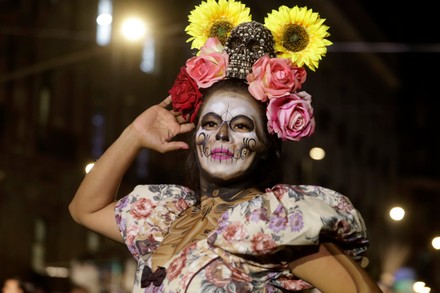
(231, 143)
(236, 229)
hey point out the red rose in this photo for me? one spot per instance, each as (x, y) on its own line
(185, 95)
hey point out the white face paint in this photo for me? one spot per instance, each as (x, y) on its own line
(227, 137)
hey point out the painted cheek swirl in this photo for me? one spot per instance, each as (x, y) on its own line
(248, 147)
(202, 138)
(202, 141)
(249, 143)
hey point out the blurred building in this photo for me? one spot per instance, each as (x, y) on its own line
(64, 98)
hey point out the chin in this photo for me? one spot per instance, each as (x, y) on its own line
(225, 170)
(225, 176)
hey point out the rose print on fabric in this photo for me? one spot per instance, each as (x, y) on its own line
(216, 274)
(141, 208)
(259, 214)
(262, 243)
(175, 268)
(235, 232)
(282, 216)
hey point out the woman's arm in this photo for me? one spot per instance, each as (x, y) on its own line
(332, 271)
(94, 201)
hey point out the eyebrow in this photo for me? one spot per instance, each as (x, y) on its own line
(215, 115)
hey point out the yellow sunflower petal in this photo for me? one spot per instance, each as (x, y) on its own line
(299, 34)
(215, 19)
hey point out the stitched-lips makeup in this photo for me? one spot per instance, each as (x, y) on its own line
(221, 154)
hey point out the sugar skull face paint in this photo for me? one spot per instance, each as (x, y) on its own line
(229, 135)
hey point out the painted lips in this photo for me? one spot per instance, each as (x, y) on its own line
(221, 154)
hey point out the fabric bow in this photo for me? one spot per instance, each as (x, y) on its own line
(148, 276)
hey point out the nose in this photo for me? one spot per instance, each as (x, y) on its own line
(223, 132)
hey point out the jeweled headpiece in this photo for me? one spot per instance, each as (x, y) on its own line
(270, 57)
(247, 43)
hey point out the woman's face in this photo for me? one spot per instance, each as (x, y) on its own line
(230, 135)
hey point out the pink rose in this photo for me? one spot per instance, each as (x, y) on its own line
(212, 45)
(274, 77)
(291, 116)
(210, 65)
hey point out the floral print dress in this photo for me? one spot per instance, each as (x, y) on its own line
(249, 247)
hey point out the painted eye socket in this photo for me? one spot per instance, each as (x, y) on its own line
(242, 124)
(211, 121)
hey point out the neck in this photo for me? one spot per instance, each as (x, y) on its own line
(226, 190)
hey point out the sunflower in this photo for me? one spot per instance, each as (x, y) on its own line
(215, 19)
(299, 34)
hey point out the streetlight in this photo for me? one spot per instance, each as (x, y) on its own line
(104, 21)
(436, 243)
(317, 153)
(397, 213)
(133, 29)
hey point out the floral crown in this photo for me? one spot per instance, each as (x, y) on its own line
(270, 57)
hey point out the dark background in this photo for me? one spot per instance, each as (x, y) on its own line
(375, 97)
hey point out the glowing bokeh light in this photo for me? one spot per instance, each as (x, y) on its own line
(420, 287)
(417, 286)
(89, 167)
(397, 213)
(104, 19)
(57, 272)
(317, 153)
(133, 29)
(436, 242)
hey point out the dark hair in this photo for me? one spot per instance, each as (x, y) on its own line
(268, 170)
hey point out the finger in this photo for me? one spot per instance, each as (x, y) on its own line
(175, 112)
(186, 127)
(181, 119)
(166, 102)
(175, 145)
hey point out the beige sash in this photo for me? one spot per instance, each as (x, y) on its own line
(195, 223)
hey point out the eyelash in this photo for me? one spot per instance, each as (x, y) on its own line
(209, 124)
(241, 126)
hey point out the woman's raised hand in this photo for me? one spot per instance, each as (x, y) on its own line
(157, 126)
